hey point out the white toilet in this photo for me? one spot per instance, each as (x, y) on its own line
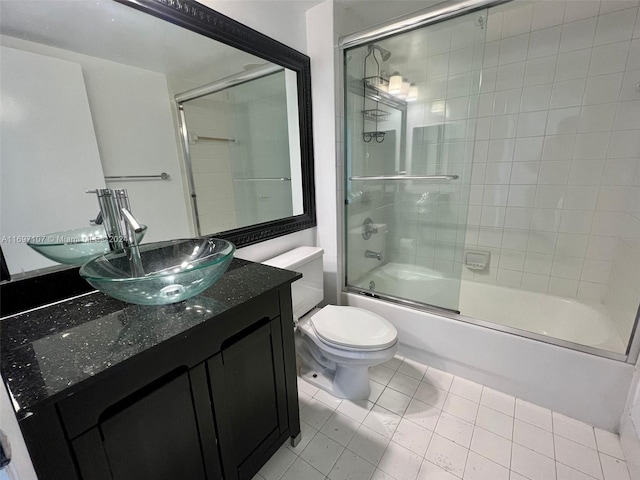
(335, 345)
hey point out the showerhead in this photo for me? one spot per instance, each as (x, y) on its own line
(385, 54)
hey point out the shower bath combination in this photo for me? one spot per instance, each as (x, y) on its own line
(498, 212)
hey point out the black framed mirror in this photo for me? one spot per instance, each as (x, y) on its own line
(205, 21)
(155, 29)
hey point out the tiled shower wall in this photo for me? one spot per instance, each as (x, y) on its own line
(542, 123)
(557, 144)
(254, 116)
(261, 150)
(557, 141)
(212, 116)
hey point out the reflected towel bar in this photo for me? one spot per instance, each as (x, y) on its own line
(162, 176)
(197, 138)
(407, 177)
(275, 179)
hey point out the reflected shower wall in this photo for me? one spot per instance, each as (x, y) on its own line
(257, 161)
(244, 152)
(210, 126)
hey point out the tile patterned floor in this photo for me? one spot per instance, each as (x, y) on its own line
(421, 423)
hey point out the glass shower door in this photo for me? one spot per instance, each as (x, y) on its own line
(411, 104)
(243, 152)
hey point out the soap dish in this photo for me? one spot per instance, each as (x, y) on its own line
(476, 260)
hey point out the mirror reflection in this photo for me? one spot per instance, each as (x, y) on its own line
(205, 137)
(233, 130)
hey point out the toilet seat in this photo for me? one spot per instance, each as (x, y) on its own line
(353, 328)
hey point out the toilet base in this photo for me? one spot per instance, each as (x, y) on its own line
(351, 383)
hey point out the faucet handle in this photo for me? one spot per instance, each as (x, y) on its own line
(100, 191)
(368, 228)
(98, 220)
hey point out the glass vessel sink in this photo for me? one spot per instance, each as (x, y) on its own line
(75, 247)
(171, 271)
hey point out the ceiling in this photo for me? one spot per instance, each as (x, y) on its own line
(112, 31)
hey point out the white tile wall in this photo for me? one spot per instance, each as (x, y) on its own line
(212, 117)
(252, 115)
(565, 130)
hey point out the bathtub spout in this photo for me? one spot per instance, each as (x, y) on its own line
(372, 254)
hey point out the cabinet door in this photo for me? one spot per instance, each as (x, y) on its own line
(153, 436)
(249, 398)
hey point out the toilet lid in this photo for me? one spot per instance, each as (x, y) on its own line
(353, 327)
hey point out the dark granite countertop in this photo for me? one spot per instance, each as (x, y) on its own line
(47, 350)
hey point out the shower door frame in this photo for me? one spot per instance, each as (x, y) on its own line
(203, 91)
(422, 18)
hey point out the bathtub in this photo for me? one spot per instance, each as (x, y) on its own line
(552, 316)
(549, 315)
(581, 385)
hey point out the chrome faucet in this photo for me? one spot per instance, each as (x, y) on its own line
(372, 254)
(115, 213)
(120, 225)
(132, 225)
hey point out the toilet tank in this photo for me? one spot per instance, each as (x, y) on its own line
(307, 292)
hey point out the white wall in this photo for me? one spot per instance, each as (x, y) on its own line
(41, 151)
(269, 17)
(321, 41)
(135, 132)
(136, 136)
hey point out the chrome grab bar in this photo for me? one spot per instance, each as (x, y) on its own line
(406, 177)
(162, 176)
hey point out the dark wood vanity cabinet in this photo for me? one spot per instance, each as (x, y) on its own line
(249, 398)
(214, 403)
(154, 436)
(168, 429)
